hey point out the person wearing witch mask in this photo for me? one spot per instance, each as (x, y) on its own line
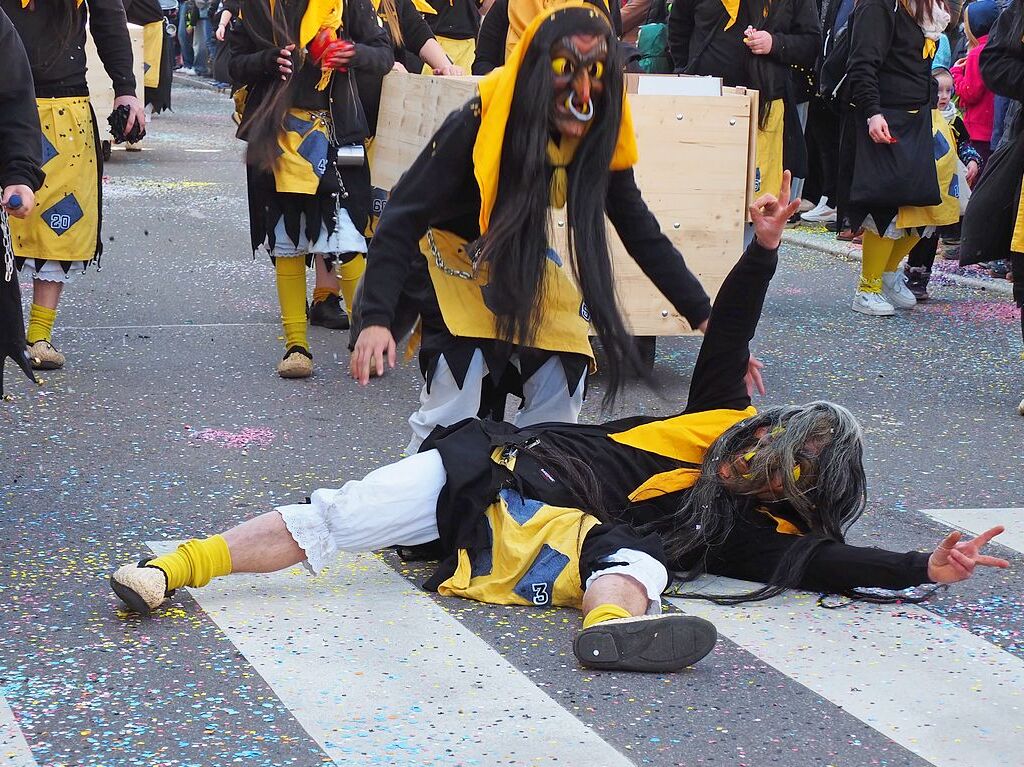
(469, 222)
(596, 517)
(297, 60)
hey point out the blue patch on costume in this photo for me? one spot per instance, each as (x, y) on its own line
(757, 179)
(297, 125)
(941, 146)
(552, 254)
(538, 584)
(482, 559)
(146, 67)
(519, 508)
(954, 187)
(49, 150)
(63, 215)
(584, 311)
(314, 149)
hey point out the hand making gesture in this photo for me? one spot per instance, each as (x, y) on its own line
(769, 214)
(954, 560)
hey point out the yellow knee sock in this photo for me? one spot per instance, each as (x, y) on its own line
(900, 249)
(40, 323)
(603, 613)
(876, 253)
(195, 563)
(322, 294)
(349, 274)
(291, 293)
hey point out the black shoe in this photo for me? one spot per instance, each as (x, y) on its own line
(648, 643)
(917, 281)
(328, 314)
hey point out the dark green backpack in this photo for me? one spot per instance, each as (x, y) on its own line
(652, 40)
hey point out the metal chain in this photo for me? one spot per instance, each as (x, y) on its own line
(8, 245)
(439, 260)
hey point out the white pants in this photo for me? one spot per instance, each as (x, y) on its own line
(546, 398)
(396, 505)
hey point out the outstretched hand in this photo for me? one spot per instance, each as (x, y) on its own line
(769, 214)
(753, 378)
(954, 560)
(375, 343)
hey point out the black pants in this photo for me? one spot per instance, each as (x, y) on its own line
(822, 152)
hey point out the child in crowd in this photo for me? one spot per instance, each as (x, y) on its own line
(976, 100)
(919, 263)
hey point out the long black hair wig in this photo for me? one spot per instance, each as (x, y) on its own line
(516, 243)
(68, 20)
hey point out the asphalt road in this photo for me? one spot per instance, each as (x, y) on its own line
(169, 422)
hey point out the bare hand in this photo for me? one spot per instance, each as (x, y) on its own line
(954, 560)
(972, 172)
(284, 61)
(28, 200)
(878, 129)
(136, 113)
(753, 378)
(769, 214)
(219, 34)
(449, 70)
(339, 55)
(399, 67)
(758, 42)
(373, 343)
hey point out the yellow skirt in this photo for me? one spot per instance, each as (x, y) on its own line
(152, 52)
(948, 210)
(534, 558)
(64, 226)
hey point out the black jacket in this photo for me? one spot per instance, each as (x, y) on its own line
(697, 24)
(254, 63)
(59, 74)
(20, 148)
(886, 67)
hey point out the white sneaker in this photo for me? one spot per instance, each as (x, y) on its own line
(872, 304)
(187, 71)
(896, 292)
(820, 213)
(1020, 407)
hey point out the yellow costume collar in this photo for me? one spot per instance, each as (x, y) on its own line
(496, 92)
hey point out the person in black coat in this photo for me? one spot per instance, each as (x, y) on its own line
(753, 44)
(20, 176)
(993, 226)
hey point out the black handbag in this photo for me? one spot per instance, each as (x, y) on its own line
(900, 174)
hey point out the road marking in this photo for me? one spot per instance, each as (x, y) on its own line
(976, 521)
(936, 689)
(14, 750)
(371, 666)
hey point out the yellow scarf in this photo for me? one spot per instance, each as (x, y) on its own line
(25, 3)
(496, 91)
(559, 156)
(319, 14)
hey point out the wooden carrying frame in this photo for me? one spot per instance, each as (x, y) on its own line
(696, 172)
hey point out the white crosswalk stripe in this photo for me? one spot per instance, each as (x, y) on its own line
(14, 750)
(934, 688)
(978, 520)
(368, 664)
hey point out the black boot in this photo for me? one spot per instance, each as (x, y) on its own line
(917, 280)
(328, 314)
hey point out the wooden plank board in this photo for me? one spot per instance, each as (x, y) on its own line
(694, 171)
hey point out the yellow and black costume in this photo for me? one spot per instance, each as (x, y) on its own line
(424, 244)
(157, 51)
(309, 203)
(20, 161)
(62, 236)
(455, 24)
